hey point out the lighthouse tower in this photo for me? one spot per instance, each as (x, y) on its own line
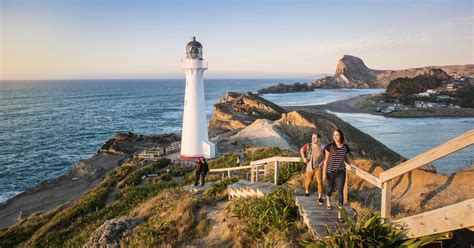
(195, 142)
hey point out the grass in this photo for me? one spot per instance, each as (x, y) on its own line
(73, 225)
(275, 212)
(217, 191)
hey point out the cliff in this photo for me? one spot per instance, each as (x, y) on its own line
(351, 72)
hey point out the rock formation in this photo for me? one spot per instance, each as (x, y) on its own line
(351, 72)
(286, 88)
(111, 232)
(290, 130)
(263, 132)
(238, 110)
(130, 143)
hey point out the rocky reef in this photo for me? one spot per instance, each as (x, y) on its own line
(286, 88)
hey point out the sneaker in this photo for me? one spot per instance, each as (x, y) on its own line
(320, 201)
(306, 194)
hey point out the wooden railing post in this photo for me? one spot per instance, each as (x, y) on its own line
(228, 173)
(251, 174)
(256, 174)
(276, 172)
(386, 199)
(346, 190)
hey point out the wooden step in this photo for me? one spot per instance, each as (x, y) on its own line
(244, 189)
(316, 216)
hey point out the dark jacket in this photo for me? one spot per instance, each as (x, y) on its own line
(205, 167)
(198, 166)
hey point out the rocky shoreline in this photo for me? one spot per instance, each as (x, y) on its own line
(84, 175)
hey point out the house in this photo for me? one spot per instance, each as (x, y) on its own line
(423, 94)
(450, 87)
(431, 91)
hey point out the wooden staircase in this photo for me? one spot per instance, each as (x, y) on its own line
(244, 188)
(446, 219)
(316, 216)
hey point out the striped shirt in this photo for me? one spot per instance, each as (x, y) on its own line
(337, 158)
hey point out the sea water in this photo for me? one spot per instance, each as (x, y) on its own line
(45, 127)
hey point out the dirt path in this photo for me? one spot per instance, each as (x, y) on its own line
(220, 234)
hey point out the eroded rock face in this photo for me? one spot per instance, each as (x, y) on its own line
(291, 130)
(111, 232)
(263, 132)
(351, 72)
(238, 110)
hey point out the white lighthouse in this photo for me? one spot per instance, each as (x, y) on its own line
(195, 142)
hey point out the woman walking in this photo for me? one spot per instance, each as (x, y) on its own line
(313, 155)
(337, 153)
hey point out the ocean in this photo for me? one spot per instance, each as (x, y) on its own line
(46, 127)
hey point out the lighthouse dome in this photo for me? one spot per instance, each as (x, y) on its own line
(194, 49)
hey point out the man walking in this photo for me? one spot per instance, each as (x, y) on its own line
(313, 155)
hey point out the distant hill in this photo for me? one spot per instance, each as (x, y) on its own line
(351, 72)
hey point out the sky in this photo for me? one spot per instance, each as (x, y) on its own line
(118, 39)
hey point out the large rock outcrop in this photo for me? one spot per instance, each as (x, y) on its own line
(351, 72)
(292, 130)
(263, 132)
(238, 110)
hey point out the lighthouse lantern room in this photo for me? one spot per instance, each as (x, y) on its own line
(195, 142)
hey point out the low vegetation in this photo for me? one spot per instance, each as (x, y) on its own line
(167, 215)
(369, 230)
(402, 87)
(274, 213)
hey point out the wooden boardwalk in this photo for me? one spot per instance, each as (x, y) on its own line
(316, 216)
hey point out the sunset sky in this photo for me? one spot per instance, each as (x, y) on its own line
(85, 39)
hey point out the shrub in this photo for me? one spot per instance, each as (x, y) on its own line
(286, 171)
(466, 95)
(218, 188)
(257, 153)
(276, 212)
(408, 86)
(135, 178)
(370, 230)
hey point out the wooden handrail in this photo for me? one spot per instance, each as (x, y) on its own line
(364, 175)
(231, 168)
(449, 218)
(436, 153)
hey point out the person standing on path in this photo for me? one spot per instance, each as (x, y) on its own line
(337, 154)
(313, 155)
(201, 169)
(204, 171)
